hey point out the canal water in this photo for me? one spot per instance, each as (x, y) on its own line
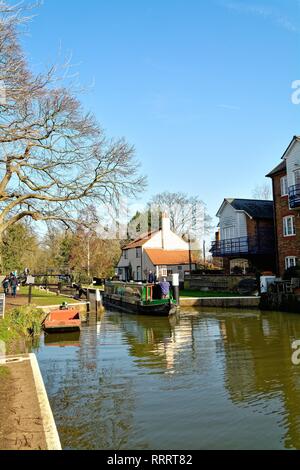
(206, 380)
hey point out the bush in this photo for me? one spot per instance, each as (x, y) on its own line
(237, 271)
(291, 273)
(247, 287)
(23, 321)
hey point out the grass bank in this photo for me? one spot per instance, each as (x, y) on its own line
(21, 322)
(200, 294)
(43, 298)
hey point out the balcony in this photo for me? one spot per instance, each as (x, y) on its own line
(294, 196)
(244, 246)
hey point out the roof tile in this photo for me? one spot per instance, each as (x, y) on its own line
(169, 257)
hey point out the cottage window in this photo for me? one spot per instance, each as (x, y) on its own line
(284, 186)
(138, 252)
(126, 254)
(163, 271)
(290, 262)
(289, 228)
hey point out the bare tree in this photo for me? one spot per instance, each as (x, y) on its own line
(262, 192)
(54, 158)
(188, 215)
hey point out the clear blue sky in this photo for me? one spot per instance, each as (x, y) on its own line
(201, 88)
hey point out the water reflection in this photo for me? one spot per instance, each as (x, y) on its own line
(62, 340)
(259, 372)
(210, 379)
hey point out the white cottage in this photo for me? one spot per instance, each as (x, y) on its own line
(162, 252)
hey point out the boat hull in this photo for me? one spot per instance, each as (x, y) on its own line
(164, 309)
(51, 327)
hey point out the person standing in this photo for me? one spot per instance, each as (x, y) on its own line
(151, 278)
(165, 289)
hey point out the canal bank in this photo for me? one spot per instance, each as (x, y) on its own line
(26, 418)
(221, 302)
(281, 302)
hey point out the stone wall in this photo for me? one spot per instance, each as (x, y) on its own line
(222, 302)
(215, 283)
(280, 302)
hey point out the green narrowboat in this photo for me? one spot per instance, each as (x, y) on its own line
(144, 299)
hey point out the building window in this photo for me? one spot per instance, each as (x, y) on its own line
(139, 273)
(138, 252)
(290, 262)
(239, 266)
(126, 254)
(297, 177)
(284, 186)
(179, 268)
(163, 271)
(228, 233)
(289, 229)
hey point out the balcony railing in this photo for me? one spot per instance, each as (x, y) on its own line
(243, 246)
(294, 196)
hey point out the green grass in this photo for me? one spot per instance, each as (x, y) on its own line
(201, 294)
(43, 298)
(92, 286)
(54, 300)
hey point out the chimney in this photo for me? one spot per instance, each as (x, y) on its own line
(165, 230)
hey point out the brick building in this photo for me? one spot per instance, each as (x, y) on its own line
(286, 194)
(245, 240)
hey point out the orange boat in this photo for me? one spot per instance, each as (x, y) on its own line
(63, 320)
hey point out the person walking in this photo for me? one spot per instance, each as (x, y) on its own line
(13, 285)
(5, 285)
